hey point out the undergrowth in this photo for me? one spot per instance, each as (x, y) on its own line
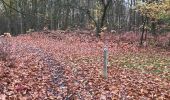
(146, 62)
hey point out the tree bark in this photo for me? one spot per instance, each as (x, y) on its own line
(143, 31)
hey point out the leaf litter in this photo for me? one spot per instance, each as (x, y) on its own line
(38, 66)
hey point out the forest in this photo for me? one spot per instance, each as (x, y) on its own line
(84, 49)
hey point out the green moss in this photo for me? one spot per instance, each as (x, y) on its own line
(151, 63)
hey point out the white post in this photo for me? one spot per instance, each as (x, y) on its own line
(105, 62)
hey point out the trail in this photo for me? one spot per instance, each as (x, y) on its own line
(67, 66)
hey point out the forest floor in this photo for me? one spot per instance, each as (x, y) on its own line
(60, 65)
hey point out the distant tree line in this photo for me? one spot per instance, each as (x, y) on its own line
(18, 16)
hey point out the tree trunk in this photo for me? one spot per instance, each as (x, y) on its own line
(143, 31)
(153, 27)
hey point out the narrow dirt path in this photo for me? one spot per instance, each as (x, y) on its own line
(29, 72)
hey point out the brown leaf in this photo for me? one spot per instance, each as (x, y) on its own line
(3, 97)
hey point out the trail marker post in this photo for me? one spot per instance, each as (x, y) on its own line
(105, 62)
